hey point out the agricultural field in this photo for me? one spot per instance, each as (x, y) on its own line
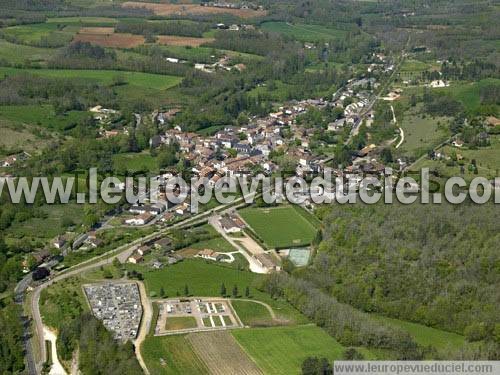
(18, 54)
(49, 34)
(251, 313)
(280, 227)
(83, 21)
(107, 77)
(108, 39)
(184, 9)
(183, 41)
(281, 350)
(422, 132)
(180, 322)
(303, 32)
(171, 355)
(221, 353)
(41, 115)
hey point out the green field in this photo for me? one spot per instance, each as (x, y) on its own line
(171, 355)
(422, 133)
(50, 33)
(142, 80)
(180, 322)
(303, 32)
(41, 115)
(469, 93)
(204, 279)
(281, 350)
(427, 336)
(134, 162)
(251, 313)
(281, 226)
(19, 54)
(218, 244)
(83, 21)
(17, 137)
(487, 161)
(62, 301)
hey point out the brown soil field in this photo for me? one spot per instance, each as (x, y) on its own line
(172, 40)
(183, 9)
(222, 354)
(111, 40)
(97, 30)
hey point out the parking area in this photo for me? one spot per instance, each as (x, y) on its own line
(191, 315)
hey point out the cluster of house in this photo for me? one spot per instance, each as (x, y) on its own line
(162, 245)
(242, 150)
(215, 256)
(232, 5)
(105, 116)
(381, 64)
(10, 160)
(224, 63)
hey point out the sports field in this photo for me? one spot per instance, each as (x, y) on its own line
(303, 32)
(281, 226)
(281, 350)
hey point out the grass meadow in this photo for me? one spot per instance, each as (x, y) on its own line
(107, 77)
(303, 32)
(281, 350)
(41, 115)
(251, 313)
(427, 336)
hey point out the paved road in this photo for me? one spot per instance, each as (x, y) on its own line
(254, 265)
(147, 315)
(122, 253)
(19, 295)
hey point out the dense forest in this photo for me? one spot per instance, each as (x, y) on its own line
(98, 352)
(434, 265)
